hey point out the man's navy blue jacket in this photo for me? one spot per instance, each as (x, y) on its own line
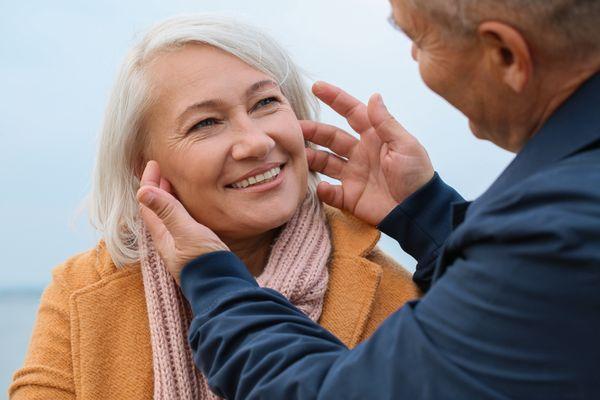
(512, 303)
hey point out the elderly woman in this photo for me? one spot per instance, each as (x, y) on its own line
(215, 105)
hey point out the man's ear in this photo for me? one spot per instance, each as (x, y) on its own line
(508, 53)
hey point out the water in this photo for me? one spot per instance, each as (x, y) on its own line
(17, 312)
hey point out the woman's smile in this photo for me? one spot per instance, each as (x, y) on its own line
(262, 179)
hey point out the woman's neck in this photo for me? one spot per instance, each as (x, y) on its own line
(254, 252)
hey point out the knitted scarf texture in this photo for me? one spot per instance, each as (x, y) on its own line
(296, 267)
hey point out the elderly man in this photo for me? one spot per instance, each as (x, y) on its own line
(511, 282)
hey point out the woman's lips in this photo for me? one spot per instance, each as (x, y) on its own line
(264, 186)
(260, 170)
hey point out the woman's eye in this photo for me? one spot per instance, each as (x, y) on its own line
(266, 102)
(205, 123)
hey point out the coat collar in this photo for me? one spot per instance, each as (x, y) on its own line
(353, 279)
(350, 235)
(574, 126)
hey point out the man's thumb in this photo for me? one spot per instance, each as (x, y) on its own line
(331, 194)
(163, 205)
(386, 126)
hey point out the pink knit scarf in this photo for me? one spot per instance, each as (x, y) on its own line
(297, 268)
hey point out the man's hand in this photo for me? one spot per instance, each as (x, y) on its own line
(177, 236)
(378, 171)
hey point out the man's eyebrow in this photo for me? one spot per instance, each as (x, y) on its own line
(394, 24)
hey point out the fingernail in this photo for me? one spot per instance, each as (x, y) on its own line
(379, 99)
(317, 86)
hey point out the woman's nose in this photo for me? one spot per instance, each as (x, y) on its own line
(252, 142)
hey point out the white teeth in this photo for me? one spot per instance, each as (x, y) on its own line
(257, 179)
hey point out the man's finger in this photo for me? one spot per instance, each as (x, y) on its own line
(166, 207)
(332, 137)
(385, 125)
(165, 185)
(331, 194)
(151, 175)
(155, 226)
(344, 104)
(325, 163)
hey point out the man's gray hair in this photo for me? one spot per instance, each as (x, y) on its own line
(558, 26)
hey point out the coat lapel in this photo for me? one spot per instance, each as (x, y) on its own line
(353, 279)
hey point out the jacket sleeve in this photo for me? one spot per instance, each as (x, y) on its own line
(47, 372)
(421, 224)
(251, 343)
(504, 321)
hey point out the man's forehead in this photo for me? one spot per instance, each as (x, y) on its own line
(398, 3)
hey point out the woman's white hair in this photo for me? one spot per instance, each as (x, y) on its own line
(113, 204)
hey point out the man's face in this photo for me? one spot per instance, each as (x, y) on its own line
(454, 68)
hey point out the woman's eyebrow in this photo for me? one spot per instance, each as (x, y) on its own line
(207, 104)
(261, 85)
(215, 103)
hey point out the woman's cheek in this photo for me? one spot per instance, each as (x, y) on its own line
(198, 172)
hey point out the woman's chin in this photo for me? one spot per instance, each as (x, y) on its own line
(257, 224)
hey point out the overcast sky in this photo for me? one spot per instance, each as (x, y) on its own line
(57, 64)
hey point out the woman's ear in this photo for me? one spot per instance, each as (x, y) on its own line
(138, 170)
(144, 150)
(510, 58)
(140, 164)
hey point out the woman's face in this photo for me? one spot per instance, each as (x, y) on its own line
(227, 140)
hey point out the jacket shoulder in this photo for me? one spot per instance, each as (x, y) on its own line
(550, 218)
(556, 194)
(574, 177)
(87, 268)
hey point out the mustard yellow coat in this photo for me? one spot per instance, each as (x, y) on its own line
(91, 338)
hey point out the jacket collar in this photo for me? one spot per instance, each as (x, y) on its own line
(353, 279)
(574, 126)
(349, 235)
